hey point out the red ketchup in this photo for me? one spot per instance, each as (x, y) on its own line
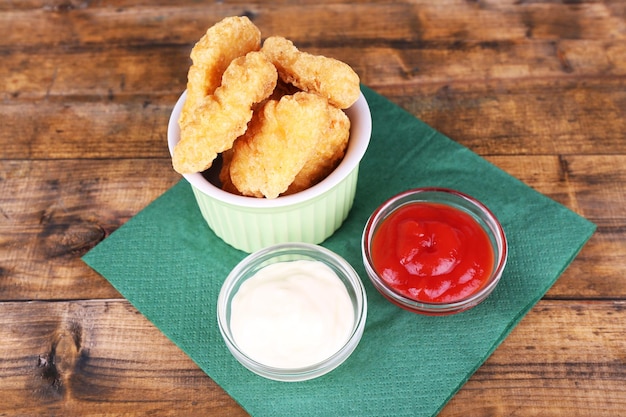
(431, 252)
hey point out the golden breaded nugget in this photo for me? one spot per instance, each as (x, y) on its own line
(328, 77)
(328, 153)
(281, 137)
(223, 117)
(228, 39)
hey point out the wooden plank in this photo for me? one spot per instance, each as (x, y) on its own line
(97, 358)
(456, 20)
(93, 357)
(52, 75)
(428, 43)
(536, 117)
(594, 186)
(524, 117)
(159, 69)
(573, 352)
(129, 128)
(53, 211)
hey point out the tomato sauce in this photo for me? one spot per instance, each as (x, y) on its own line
(432, 252)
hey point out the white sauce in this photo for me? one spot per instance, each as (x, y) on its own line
(292, 314)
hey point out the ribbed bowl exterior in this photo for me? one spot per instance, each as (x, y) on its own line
(310, 221)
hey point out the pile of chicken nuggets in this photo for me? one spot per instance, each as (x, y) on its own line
(273, 112)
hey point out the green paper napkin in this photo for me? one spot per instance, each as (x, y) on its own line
(170, 266)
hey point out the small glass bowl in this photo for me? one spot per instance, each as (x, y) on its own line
(283, 253)
(452, 198)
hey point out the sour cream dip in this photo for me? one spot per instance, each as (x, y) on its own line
(292, 314)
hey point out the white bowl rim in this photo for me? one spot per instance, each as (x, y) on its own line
(361, 127)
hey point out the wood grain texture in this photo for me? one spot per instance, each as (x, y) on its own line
(95, 358)
(530, 118)
(53, 212)
(574, 371)
(61, 209)
(101, 357)
(537, 87)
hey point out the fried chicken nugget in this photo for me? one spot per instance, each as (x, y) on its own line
(223, 117)
(325, 76)
(281, 137)
(328, 153)
(228, 39)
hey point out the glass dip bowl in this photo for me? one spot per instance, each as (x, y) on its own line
(288, 311)
(445, 259)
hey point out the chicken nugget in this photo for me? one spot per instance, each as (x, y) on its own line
(223, 117)
(328, 153)
(281, 137)
(325, 76)
(228, 39)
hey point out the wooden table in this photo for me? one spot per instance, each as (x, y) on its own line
(536, 87)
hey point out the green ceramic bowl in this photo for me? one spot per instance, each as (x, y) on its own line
(310, 216)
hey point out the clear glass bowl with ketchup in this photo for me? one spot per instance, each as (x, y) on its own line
(434, 251)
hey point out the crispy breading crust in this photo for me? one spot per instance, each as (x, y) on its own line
(280, 139)
(328, 77)
(228, 39)
(328, 153)
(273, 112)
(220, 118)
